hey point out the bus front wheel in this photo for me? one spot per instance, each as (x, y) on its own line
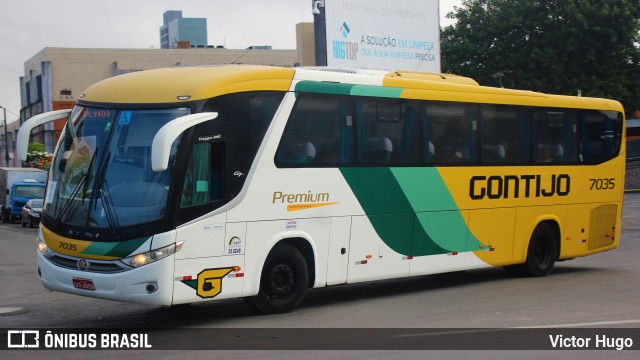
(541, 254)
(283, 283)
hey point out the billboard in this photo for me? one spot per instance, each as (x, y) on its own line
(383, 34)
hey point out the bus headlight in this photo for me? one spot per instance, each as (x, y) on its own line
(152, 256)
(42, 246)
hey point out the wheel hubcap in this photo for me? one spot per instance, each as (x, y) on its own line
(281, 281)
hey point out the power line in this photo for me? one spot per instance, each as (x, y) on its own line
(9, 111)
(12, 113)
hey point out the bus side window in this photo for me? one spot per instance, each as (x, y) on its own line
(295, 151)
(204, 180)
(449, 133)
(504, 134)
(318, 133)
(385, 132)
(554, 134)
(601, 133)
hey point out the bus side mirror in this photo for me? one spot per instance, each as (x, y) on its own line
(161, 146)
(24, 132)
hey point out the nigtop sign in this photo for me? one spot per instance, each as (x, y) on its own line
(383, 34)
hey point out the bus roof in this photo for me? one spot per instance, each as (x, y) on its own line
(188, 83)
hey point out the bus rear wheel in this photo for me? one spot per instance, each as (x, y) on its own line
(283, 283)
(541, 254)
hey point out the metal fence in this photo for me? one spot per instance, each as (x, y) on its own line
(633, 164)
(633, 177)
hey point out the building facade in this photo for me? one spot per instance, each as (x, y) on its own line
(55, 77)
(8, 136)
(305, 44)
(177, 30)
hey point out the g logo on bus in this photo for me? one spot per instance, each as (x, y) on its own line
(209, 283)
(83, 265)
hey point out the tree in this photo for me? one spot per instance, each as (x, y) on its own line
(37, 157)
(35, 147)
(553, 46)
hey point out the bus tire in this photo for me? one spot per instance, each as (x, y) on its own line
(542, 253)
(283, 283)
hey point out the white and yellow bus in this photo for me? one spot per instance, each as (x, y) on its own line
(189, 184)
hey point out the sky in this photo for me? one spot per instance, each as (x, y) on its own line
(28, 26)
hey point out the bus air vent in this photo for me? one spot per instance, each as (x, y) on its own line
(602, 226)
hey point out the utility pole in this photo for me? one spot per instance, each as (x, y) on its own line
(6, 138)
(499, 75)
(320, 32)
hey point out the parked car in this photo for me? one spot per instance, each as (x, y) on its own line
(31, 212)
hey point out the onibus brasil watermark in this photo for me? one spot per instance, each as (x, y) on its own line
(33, 339)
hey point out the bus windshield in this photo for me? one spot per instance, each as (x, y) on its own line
(101, 174)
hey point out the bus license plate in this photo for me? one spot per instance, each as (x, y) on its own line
(84, 284)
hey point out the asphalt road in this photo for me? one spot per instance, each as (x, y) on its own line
(599, 291)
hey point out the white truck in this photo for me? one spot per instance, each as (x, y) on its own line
(17, 186)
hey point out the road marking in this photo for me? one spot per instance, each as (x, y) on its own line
(455, 332)
(472, 331)
(9, 310)
(597, 323)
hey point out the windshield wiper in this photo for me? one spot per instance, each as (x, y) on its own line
(85, 188)
(99, 192)
(107, 206)
(82, 183)
(97, 186)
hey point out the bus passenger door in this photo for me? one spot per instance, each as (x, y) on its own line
(380, 245)
(338, 259)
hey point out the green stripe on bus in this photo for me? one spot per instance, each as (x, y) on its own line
(126, 248)
(115, 249)
(324, 87)
(387, 208)
(411, 210)
(377, 190)
(378, 91)
(99, 248)
(191, 283)
(435, 208)
(347, 89)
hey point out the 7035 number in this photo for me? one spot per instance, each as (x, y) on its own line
(602, 184)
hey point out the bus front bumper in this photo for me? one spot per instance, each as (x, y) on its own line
(150, 284)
